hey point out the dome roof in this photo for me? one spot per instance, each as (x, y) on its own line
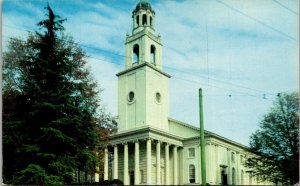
(143, 5)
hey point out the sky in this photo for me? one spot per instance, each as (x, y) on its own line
(241, 53)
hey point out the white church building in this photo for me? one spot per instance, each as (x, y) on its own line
(150, 148)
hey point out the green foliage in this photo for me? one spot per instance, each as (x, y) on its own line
(277, 142)
(51, 108)
(34, 174)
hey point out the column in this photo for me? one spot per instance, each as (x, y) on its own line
(97, 177)
(136, 163)
(167, 165)
(133, 22)
(115, 162)
(126, 181)
(149, 21)
(209, 165)
(148, 162)
(229, 176)
(175, 166)
(153, 22)
(218, 171)
(105, 163)
(158, 163)
(140, 19)
(237, 172)
(247, 178)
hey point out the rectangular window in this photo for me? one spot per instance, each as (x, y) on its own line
(233, 157)
(191, 152)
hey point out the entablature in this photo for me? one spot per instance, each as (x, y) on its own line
(143, 134)
(144, 32)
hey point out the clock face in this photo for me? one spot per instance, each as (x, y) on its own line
(131, 96)
(158, 97)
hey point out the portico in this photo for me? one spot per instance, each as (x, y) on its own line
(144, 160)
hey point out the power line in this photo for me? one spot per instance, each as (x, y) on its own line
(258, 21)
(181, 71)
(197, 82)
(286, 8)
(174, 69)
(165, 66)
(18, 27)
(207, 61)
(171, 68)
(192, 81)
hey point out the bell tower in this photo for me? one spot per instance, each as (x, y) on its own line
(143, 46)
(143, 97)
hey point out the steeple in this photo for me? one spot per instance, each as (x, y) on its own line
(143, 98)
(144, 45)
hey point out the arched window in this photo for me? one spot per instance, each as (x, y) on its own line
(233, 176)
(192, 174)
(136, 54)
(151, 21)
(144, 19)
(152, 54)
(137, 20)
(242, 177)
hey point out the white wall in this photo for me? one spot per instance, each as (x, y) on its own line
(144, 110)
(181, 130)
(218, 156)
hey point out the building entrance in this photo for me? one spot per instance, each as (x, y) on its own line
(131, 177)
(224, 178)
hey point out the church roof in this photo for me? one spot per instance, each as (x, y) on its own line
(207, 134)
(143, 5)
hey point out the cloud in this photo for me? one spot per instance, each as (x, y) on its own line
(240, 51)
(202, 40)
(104, 72)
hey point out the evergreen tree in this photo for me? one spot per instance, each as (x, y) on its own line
(51, 108)
(277, 142)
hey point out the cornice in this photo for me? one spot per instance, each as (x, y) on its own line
(144, 32)
(140, 66)
(146, 129)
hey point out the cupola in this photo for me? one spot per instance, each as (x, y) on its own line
(143, 16)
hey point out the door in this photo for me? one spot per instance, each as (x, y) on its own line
(131, 177)
(224, 178)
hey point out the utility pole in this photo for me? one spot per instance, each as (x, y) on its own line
(202, 142)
